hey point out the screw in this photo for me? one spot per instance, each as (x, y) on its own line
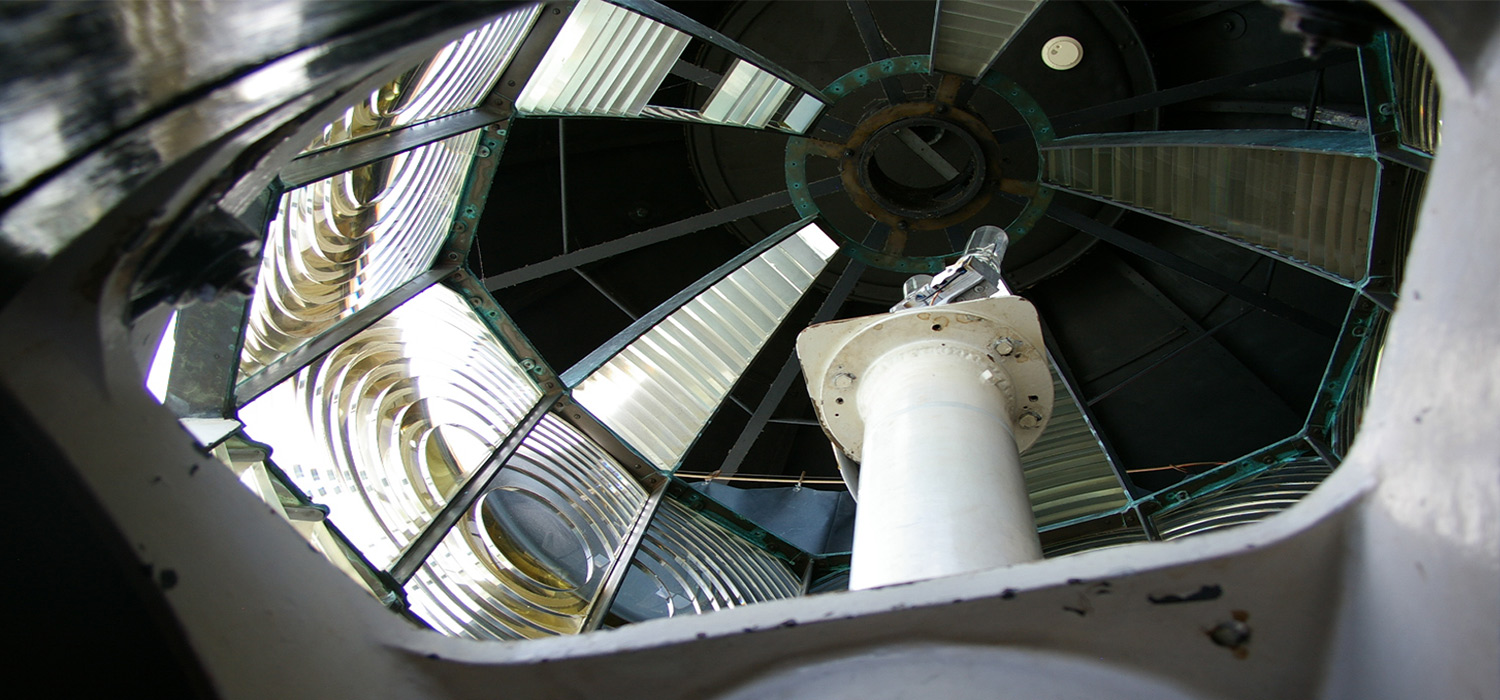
(1387, 109)
(842, 380)
(903, 225)
(1029, 420)
(1230, 633)
(848, 153)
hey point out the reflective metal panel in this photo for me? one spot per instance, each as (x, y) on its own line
(968, 35)
(747, 96)
(384, 427)
(455, 79)
(688, 564)
(339, 244)
(1418, 100)
(528, 558)
(605, 61)
(659, 391)
(1307, 197)
(1067, 472)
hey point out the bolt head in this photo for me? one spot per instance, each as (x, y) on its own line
(842, 380)
(1004, 347)
(1029, 420)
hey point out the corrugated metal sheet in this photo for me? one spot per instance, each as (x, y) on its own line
(457, 78)
(1418, 101)
(383, 428)
(659, 391)
(339, 244)
(1067, 472)
(529, 557)
(1252, 501)
(605, 61)
(1304, 198)
(968, 34)
(688, 564)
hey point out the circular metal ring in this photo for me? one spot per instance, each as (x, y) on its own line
(800, 148)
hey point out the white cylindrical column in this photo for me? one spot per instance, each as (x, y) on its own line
(940, 488)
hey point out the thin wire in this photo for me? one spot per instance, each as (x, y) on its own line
(763, 479)
(1179, 467)
(479, 253)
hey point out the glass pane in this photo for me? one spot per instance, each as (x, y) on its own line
(659, 392)
(385, 427)
(529, 557)
(339, 244)
(688, 564)
(457, 78)
(605, 61)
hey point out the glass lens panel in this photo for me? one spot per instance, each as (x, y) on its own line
(529, 557)
(385, 427)
(660, 391)
(456, 79)
(339, 244)
(605, 61)
(688, 564)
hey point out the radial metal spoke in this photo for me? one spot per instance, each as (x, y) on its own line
(874, 41)
(1202, 274)
(1184, 93)
(789, 372)
(348, 156)
(635, 241)
(619, 567)
(609, 349)
(606, 294)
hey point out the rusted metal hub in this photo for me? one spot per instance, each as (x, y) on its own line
(920, 165)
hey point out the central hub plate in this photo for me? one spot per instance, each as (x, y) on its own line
(920, 166)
